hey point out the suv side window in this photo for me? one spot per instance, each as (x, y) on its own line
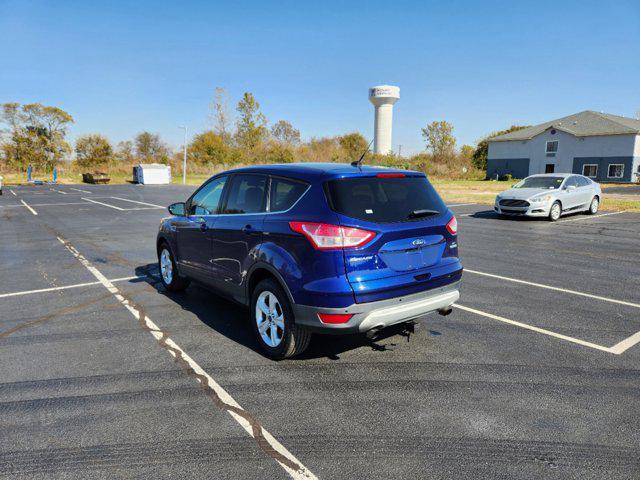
(246, 194)
(284, 193)
(207, 200)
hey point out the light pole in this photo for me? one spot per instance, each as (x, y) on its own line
(184, 160)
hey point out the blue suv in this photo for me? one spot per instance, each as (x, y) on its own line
(331, 248)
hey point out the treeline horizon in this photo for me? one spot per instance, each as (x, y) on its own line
(35, 134)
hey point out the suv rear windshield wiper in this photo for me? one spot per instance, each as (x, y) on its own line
(423, 213)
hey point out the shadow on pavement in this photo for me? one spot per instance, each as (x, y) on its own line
(492, 215)
(231, 320)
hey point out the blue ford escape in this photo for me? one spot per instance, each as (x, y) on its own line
(309, 247)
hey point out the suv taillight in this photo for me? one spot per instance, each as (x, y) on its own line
(452, 226)
(324, 236)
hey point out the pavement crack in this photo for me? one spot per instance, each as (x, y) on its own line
(203, 382)
(53, 315)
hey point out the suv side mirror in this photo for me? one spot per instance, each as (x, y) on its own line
(177, 209)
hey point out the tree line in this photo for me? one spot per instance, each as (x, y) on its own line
(35, 134)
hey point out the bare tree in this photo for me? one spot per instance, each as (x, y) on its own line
(283, 132)
(124, 151)
(220, 114)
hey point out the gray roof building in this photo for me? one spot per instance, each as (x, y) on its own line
(602, 146)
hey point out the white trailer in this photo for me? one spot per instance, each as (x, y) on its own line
(152, 174)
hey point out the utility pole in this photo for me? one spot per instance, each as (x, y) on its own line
(184, 160)
(399, 150)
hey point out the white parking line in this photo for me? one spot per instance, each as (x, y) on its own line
(13, 193)
(30, 209)
(66, 287)
(557, 289)
(105, 204)
(626, 344)
(59, 191)
(460, 204)
(58, 204)
(45, 204)
(588, 217)
(542, 330)
(273, 448)
(79, 190)
(141, 203)
(140, 208)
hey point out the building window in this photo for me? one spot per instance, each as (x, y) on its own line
(552, 146)
(590, 170)
(616, 170)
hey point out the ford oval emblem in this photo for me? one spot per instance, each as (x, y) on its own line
(418, 242)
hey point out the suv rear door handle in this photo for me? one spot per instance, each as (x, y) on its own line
(249, 230)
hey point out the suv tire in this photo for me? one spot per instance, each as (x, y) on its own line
(273, 323)
(169, 275)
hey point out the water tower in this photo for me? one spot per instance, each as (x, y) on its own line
(383, 97)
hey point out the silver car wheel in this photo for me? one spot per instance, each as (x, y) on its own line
(166, 266)
(270, 319)
(595, 204)
(555, 211)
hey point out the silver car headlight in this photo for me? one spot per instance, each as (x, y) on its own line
(541, 199)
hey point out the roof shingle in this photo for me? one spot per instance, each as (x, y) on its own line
(581, 124)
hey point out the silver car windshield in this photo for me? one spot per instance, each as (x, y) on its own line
(540, 182)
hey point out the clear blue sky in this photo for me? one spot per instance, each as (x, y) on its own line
(123, 67)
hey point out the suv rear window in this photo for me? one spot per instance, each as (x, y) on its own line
(384, 200)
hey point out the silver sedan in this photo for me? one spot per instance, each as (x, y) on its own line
(550, 195)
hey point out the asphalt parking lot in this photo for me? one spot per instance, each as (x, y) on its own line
(105, 375)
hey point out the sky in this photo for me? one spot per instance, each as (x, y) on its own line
(123, 67)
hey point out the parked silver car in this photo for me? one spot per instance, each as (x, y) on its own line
(550, 195)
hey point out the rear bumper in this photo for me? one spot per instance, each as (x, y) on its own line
(367, 316)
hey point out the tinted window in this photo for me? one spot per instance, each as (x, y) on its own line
(540, 182)
(384, 200)
(583, 182)
(207, 199)
(571, 182)
(246, 194)
(284, 193)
